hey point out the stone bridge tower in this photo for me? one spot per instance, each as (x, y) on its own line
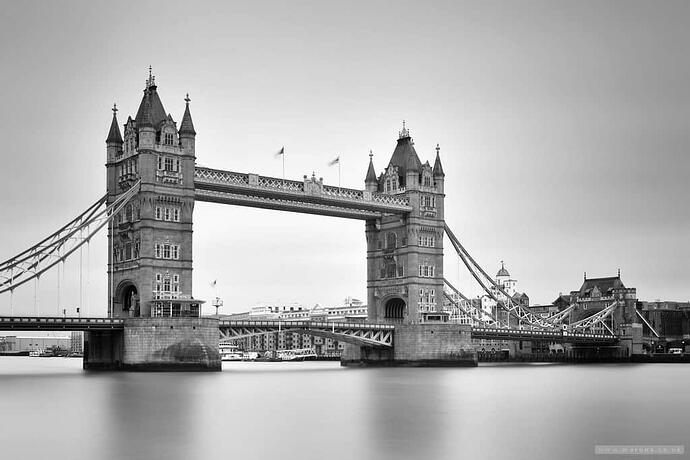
(405, 252)
(150, 240)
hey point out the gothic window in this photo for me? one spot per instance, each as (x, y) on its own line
(166, 284)
(158, 250)
(167, 213)
(158, 213)
(166, 251)
(160, 162)
(136, 250)
(176, 215)
(427, 181)
(391, 241)
(401, 272)
(129, 213)
(168, 164)
(169, 139)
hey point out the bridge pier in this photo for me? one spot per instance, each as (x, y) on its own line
(418, 345)
(155, 344)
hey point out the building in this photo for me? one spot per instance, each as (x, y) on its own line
(670, 320)
(76, 342)
(405, 256)
(150, 241)
(507, 285)
(596, 294)
(25, 344)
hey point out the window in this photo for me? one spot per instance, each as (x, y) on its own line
(169, 137)
(176, 215)
(166, 251)
(160, 162)
(175, 252)
(426, 271)
(427, 181)
(159, 213)
(167, 214)
(158, 250)
(168, 164)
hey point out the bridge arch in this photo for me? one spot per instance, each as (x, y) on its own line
(394, 308)
(127, 297)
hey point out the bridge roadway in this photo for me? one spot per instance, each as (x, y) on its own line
(380, 335)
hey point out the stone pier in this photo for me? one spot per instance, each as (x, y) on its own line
(155, 344)
(421, 345)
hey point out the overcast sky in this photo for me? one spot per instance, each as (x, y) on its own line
(564, 132)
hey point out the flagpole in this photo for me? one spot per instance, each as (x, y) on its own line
(338, 174)
(283, 155)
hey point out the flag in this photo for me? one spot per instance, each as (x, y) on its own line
(334, 162)
(280, 152)
(213, 283)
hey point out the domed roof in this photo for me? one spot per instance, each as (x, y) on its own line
(503, 271)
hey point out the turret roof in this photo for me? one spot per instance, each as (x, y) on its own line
(187, 127)
(404, 156)
(371, 173)
(438, 169)
(151, 111)
(114, 133)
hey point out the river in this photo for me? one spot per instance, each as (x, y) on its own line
(51, 409)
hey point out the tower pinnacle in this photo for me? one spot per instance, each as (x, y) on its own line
(186, 126)
(114, 135)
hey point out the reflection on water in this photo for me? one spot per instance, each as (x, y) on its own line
(51, 409)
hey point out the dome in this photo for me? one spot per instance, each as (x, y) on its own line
(503, 272)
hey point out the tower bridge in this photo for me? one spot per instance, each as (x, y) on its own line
(154, 320)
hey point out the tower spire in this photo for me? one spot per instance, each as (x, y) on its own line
(370, 178)
(186, 126)
(114, 135)
(438, 168)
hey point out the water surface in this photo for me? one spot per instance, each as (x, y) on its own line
(50, 408)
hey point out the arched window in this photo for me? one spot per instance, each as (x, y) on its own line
(391, 241)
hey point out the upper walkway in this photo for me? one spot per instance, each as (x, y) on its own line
(309, 196)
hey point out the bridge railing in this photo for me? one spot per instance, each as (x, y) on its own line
(205, 175)
(304, 324)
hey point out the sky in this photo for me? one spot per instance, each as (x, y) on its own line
(564, 130)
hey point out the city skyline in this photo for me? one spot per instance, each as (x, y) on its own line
(563, 130)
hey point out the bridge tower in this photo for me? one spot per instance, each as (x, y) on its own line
(405, 252)
(150, 240)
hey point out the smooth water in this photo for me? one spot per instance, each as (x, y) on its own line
(51, 409)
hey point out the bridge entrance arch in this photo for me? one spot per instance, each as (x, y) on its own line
(394, 309)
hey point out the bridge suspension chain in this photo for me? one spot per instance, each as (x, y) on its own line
(57, 247)
(524, 316)
(465, 305)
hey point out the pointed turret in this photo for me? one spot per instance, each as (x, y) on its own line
(114, 135)
(187, 133)
(406, 159)
(371, 182)
(438, 169)
(187, 127)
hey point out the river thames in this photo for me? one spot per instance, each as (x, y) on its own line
(51, 409)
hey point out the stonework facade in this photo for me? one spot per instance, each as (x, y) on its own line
(150, 239)
(405, 252)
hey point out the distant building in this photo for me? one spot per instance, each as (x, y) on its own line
(76, 342)
(353, 310)
(22, 344)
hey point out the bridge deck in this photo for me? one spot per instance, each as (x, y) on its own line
(40, 323)
(491, 333)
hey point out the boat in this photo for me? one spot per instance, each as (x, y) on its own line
(35, 353)
(300, 354)
(230, 352)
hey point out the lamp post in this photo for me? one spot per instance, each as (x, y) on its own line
(217, 302)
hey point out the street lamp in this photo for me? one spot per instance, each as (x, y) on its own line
(217, 302)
